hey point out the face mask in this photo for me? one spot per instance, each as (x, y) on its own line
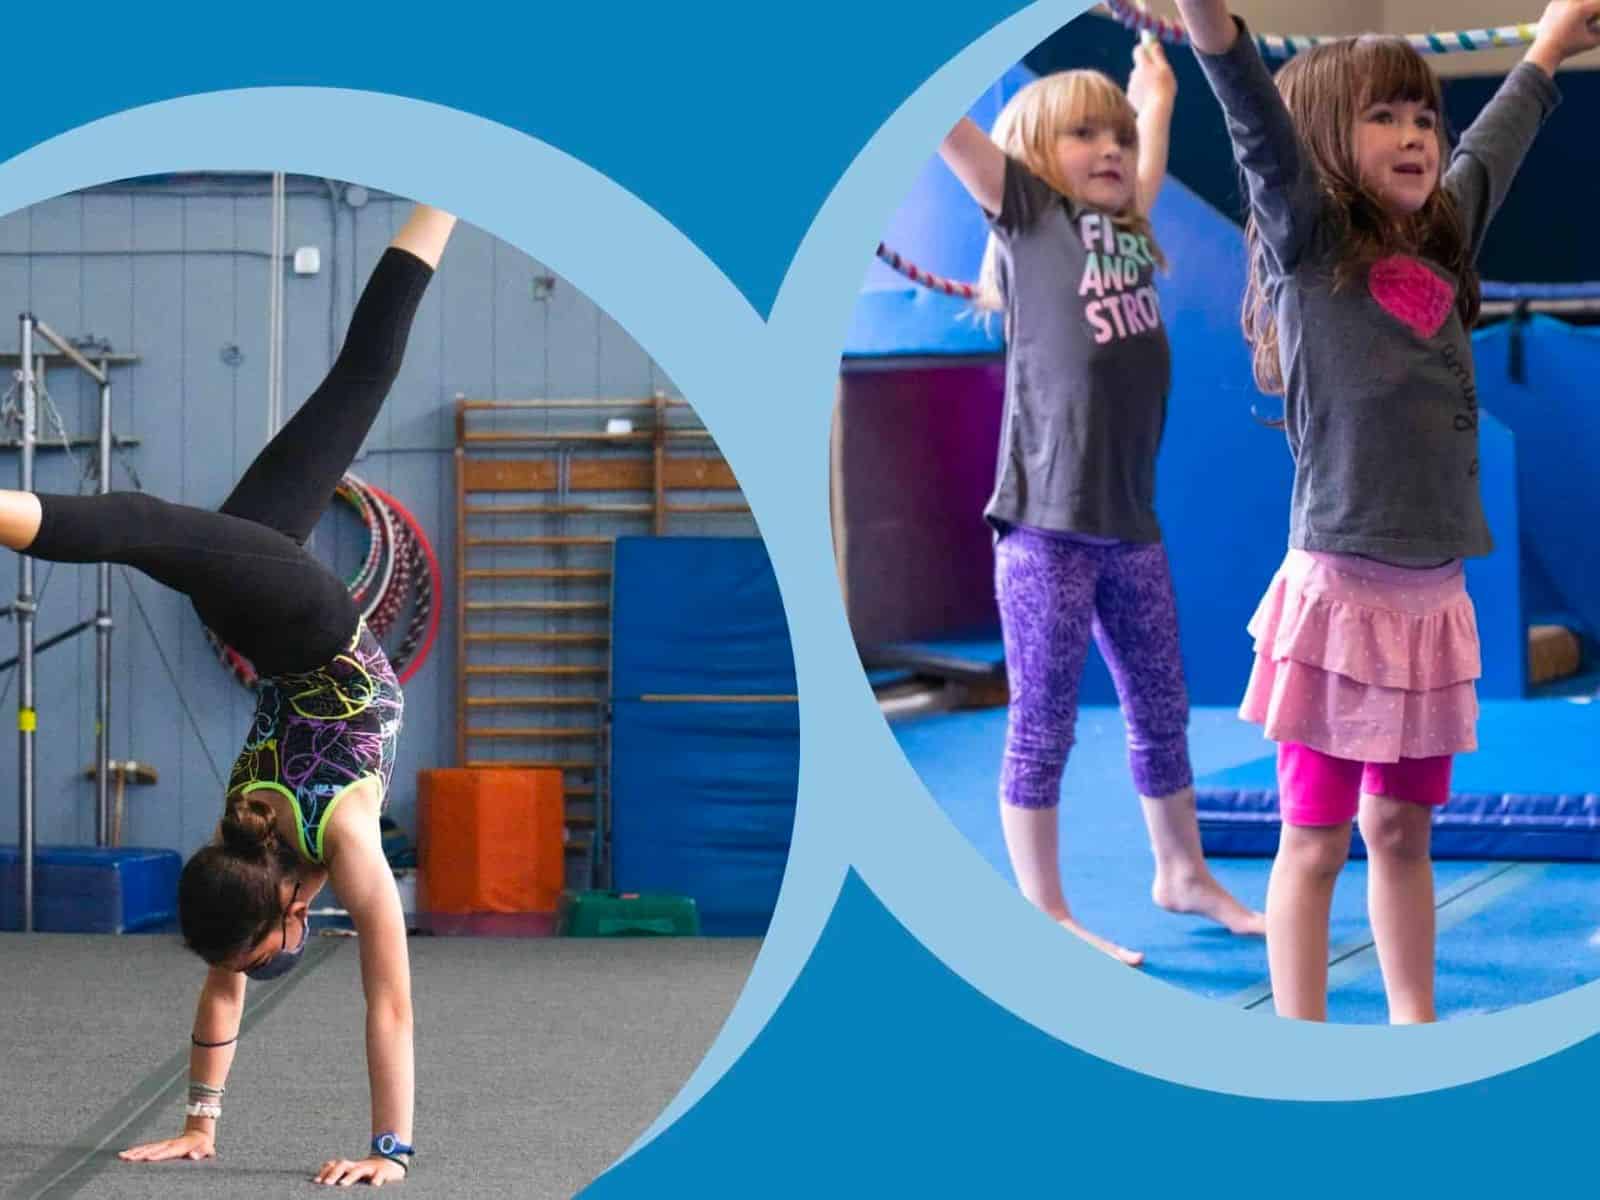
(284, 960)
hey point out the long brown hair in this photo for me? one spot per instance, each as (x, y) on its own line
(1027, 129)
(229, 892)
(1326, 89)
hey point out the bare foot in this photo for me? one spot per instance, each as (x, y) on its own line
(1122, 954)
(1203, 896)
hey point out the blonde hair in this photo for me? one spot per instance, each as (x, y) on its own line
(1027, 130)
(1326, 89)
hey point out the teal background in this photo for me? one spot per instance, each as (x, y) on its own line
(714, 179)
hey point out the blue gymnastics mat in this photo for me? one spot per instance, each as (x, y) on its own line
(1530, 792)
(705, 727)
(89, 889)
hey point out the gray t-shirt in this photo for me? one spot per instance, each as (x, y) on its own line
(1380, 404)
(1087, 368)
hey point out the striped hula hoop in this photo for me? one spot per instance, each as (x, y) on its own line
(927, 279)
(1287, 45)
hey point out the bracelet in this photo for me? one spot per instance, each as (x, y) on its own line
(212, 1111)
(213, 1045)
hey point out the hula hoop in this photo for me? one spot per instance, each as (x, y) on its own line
(1287, 45)
(429, 585)
(399, 562)
(927, 279)
(391, 548)
(357, 499)
(936, 283)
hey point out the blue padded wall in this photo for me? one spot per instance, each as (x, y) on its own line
(1551, 409)
(702, 792)
(694, 615)
(703, 804)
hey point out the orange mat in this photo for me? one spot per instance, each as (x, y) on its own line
(489, 840)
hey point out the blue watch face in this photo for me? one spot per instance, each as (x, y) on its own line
(386, 1143)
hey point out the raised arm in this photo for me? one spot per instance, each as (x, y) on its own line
(425, 233)
(215, 1037)
(1493, 147)
(1567, 27)
(1210, 26)
(364, 883)
(977, 162)
(1152, 90)
(1285, 198)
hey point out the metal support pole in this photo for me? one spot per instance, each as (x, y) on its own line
(27, 719)
(98, 374)
(49, 643)
(102, 640)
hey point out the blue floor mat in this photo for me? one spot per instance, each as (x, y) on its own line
(1106, 871)
(1532, 791)
(1536, 942)
(1105, 854)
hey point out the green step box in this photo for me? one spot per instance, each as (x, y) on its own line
(626, 914)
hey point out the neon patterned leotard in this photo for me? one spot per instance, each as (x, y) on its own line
(317, 734)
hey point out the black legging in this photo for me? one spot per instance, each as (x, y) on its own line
(245, 567)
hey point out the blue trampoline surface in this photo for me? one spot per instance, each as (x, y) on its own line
(1508, 933)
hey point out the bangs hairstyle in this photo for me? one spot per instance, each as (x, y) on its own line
(1028, 128)
(1326, 89)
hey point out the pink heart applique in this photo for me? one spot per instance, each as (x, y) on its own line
(1410, 292)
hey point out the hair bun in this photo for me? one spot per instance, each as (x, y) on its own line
(249, 827)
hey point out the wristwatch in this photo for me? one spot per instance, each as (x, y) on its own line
(386, 1145)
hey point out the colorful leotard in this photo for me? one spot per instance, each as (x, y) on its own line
(317, 734)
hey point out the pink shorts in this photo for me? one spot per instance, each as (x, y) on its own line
(1318, 789)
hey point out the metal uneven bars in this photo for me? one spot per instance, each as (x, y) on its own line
(71, 351)
(102, 637)
(27, 719)
(26, 608)
(55, 640)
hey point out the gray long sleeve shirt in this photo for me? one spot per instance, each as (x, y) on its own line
(1087, 368)
(1380, 406)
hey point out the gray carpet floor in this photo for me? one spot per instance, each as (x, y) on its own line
(539, 1061)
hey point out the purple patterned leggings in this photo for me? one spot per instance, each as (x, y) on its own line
(1053, 592)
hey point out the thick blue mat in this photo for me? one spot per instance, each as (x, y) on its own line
(88, 889)
(705, 739)
(1531, 792)
(703, 805)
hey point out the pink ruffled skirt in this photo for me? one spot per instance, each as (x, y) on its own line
(1365, 661)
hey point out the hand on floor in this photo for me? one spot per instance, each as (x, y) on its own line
(191, 1144)
(376, 1171)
